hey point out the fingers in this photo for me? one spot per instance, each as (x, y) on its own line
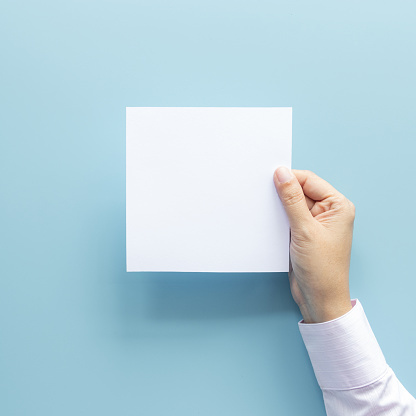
(313, 186)
(292, 197)
(309, 202)
(320, 195)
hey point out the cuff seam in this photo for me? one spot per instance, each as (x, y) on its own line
(359, 387)
(317, 325)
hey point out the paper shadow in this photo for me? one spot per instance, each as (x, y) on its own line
(144, 298)
(203, 296)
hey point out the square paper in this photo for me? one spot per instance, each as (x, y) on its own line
(200, 191)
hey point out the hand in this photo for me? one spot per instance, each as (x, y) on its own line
(321, 221)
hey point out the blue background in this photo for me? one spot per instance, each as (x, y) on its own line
(80, 336)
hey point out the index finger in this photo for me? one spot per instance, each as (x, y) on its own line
(313, 186)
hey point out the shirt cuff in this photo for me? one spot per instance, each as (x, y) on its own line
(344, 352)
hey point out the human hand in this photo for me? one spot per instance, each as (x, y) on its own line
(321, 221)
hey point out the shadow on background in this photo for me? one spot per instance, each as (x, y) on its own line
(217, 295)
(145, 299)
(196, 296)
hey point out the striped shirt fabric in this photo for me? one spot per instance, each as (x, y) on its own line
(351, 369)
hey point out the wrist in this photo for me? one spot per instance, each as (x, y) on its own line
(323, 311)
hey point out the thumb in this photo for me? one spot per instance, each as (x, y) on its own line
(292, 197)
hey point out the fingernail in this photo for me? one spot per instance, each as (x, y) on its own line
(283, 174)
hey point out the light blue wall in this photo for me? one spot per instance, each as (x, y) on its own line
(80, 336)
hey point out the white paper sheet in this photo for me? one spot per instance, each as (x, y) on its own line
(200, 191)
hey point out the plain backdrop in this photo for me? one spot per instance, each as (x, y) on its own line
(80, 336)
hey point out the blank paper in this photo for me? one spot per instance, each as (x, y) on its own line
(200, 191)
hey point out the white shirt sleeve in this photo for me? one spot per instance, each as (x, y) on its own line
(351, 369)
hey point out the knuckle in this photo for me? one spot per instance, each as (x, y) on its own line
(352, 209)
(349, 208)
(293, 197)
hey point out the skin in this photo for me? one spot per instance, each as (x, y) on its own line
(321, 222)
